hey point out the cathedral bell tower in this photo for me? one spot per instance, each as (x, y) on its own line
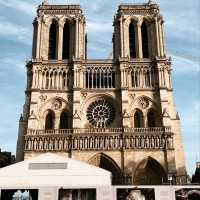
(58, 41)
(117, 114)
(138, 32)
(59, 33)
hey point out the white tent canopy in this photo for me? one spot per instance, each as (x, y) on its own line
(50, 170)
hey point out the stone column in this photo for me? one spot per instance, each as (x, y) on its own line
(125, 32)
(160, 37)
(163, 37)
(45, 41)
(77, 38)
(157, 36)
(60, 42)
(34, 78)
(38, 43)
(121, 38)
(138, 39)
(149, 39)
(153, 39)
(84, 42)
(129, 79)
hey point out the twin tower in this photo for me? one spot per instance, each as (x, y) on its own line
(117, 114)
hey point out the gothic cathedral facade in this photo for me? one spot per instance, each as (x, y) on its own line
(116, 113)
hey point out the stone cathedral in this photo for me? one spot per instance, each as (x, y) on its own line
(117, 114)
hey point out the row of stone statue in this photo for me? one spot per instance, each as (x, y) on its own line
(98, 142)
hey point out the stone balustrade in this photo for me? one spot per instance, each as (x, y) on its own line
(99, 139)
(154, 130)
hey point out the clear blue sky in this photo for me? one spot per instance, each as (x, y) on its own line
(182, 31)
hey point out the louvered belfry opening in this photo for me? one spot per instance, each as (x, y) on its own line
(132, 40)
(52, 41)
(145, 46)
(66, 41)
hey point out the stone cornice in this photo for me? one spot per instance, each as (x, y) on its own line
(138, 9)
(60, 10)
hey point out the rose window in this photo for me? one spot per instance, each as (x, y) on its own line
(100, 113)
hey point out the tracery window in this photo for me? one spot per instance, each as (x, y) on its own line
(100, 78)
(66, 41)
(49, 121)
(132, 40)
(145, 40)
(138, 119)
(135, 76)
(143, 78)
(52, 41)
(100, 113)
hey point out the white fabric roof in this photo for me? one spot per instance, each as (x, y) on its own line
(50, 170)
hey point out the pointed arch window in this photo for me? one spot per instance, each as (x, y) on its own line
(35, 38)
(52, 41)
(151, 119)
(145, 40)
(66, 41)
(132, 40)
(138, 119)
(64, 120)
(49, 121)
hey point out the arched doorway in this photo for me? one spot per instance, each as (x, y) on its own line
(149, 172)
(105, 162)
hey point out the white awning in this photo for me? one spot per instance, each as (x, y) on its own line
(50, 170)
